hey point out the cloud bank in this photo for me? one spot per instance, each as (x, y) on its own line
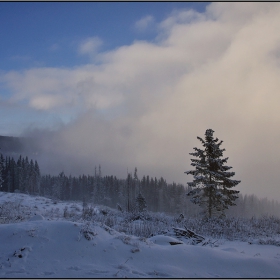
(144, 104)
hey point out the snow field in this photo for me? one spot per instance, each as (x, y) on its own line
(46, 245)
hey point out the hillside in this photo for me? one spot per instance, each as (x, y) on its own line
(40, 241)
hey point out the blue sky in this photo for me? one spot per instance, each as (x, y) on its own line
(43, 34)
(47, 34)
(133, 84)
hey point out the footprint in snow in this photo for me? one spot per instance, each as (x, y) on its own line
(16, 271)
(93, 271)
(230, 250)
(74, 268)
(22, 252)
(48, 273)
(138, 273)
(159, 274)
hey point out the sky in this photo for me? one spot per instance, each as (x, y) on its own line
(128, 85)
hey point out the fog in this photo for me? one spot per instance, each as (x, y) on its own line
(143, 105)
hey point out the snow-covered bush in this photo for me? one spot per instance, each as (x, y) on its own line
(235, 228)
(75, 207)
(13, 212)
(53, 213)
(265, 230)
(87, 213)
(87, 231)
(157, 223)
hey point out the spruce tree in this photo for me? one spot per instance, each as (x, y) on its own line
(212, 187)
(2, 161)
(37, 178)
(136, 182)
(128, 184)
(20, 180)
(141, 204)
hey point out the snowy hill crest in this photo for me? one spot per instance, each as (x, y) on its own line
(47, 245)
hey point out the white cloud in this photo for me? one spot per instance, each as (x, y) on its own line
(216, 70)
(178, 17)
(90, 46)
(144, 23)
(51, 88)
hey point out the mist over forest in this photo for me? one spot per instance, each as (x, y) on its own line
(94, 97)
(22, 172)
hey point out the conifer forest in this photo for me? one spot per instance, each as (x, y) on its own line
(23, 175)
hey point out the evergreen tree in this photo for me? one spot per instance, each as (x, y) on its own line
(2, 161)
(9, 181)
(141, 204)
(211, 187)
(136, 183)
(20, 174)
(13, 172)
(26, 174)
(94, 187)
(32, 177)
(58, 185)
(70, 187)
(37, 178)
(100, 189)
(128, 189)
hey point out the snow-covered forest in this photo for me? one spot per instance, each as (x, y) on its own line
(23, 175)
(99, 226)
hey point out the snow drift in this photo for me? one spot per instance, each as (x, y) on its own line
(41, 247)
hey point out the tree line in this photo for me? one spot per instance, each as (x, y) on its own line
(23, 175)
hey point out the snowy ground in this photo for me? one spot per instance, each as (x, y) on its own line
(45, 247)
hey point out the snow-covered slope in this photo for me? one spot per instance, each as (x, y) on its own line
(53, 248)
